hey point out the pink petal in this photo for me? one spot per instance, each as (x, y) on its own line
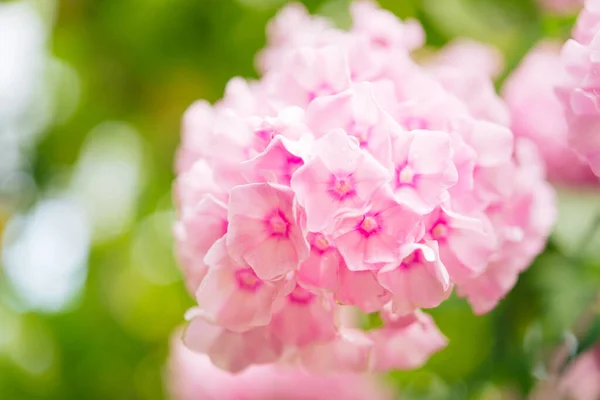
(362, 290)
(406, 347)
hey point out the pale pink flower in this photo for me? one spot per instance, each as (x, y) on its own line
(419, 280)
(275, 164)
(320, 270)
(581, 380)
(423, 169)
(194, 184)
(588, 23)
(384, 29)
(466, 243)
(231, 295)
(341, 175)
(192, 376)
(228, 350)
(374, 235)
(361, 289)
(579, 92)
(304, 318)
(405, 342)
(196, 232)
(309, 73)
(265, 230)
(349, 351)
(522, 224)
(349, 176)
(537, 114)
(475, 89)
(357, 112)
(470, 55)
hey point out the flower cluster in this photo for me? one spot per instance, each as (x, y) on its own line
(537, 114)
(350, 175)
(579, 91)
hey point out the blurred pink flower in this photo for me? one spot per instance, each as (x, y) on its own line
(537, 114)
(522, 224)
(351, 176)
(581, 381)
(579, 91)
(192, 376)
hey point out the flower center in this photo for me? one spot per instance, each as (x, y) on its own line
(278, 224)
(342, 188)
(368, 226)
(321, 242)
(410, 260)
(440, 231)
(406, 176)
(301, 295)
(247, 279)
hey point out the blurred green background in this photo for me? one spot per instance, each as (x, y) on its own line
(89, 125)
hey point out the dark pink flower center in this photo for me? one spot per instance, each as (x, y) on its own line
(278, 224)
(439, 230)
(247, 279)
(405, 176)
(301, 296)
(410, 260)
(321, 243)
(342, 187)
(369, 225)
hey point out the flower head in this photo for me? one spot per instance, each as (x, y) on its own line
(349, 176)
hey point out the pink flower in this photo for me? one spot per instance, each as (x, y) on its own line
(231, 295)
(349, 351)
(588, 22)
(320, 270)
(361, 289)
(405, 342)
(310, 73)
(304, 318)
(228, 350)
(275, 164)
(349, 176)
(473, 86)
(341, 175)
(423, 169)
(579, 92)
(466, 243)
(357, 112)
(420, 280)
(537, 114)
(523, 223)
(581, 380)
(384, 29)
(196, 232)
(470, 55)
(375, 234)
(192, 376)
(265, 230)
